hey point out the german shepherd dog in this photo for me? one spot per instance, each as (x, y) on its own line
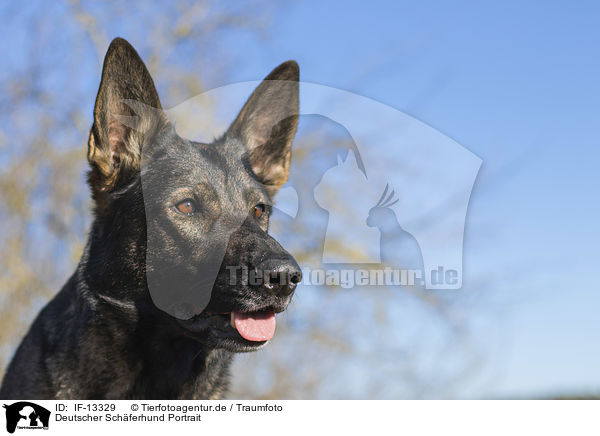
(151, 311)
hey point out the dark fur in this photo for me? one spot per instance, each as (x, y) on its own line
(102, 336)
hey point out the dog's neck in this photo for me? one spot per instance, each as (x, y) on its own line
(162, 363)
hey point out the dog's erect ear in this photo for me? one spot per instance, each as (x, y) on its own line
(127, 112)
(267, 124)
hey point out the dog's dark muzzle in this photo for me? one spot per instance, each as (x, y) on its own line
(279, 276)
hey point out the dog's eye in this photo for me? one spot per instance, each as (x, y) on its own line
(259, 210)
(186, 207)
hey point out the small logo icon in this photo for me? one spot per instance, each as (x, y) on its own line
(26, 415)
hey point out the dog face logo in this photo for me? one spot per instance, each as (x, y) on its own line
(26, 415)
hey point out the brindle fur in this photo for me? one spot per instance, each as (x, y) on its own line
(102, 337)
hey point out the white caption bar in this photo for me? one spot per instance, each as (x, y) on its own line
(278, 417)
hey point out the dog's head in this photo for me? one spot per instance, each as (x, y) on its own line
(190, 220)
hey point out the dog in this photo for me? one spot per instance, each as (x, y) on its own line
(151, 311)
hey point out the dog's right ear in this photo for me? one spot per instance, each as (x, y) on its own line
(267, 123)
(118, 132)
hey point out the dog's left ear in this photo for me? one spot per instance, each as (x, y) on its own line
(267, 124)
(126, 114)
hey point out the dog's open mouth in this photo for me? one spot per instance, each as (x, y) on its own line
(254, 326)
(250, 329)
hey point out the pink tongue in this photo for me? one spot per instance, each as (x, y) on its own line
(255, 326)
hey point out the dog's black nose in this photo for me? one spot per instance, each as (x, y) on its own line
(281, 276)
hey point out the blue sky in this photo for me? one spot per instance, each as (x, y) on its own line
(519, 85)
